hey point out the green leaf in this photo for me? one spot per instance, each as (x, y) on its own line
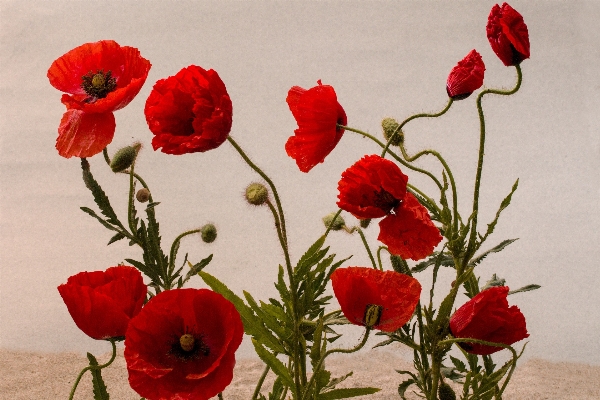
(194, 269)
(460, 366)
(495, 249)
(525, 289)
(276, 366)
(99, 388)
(253, 325)
(404, 386)
(99, 196)
(346, 392)
(101, 220)
(316, 246)
(503, 205)
(336, 381)
(115, 238)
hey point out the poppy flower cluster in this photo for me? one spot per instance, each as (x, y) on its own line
(376, 299)
(376, 188)
(507, 34)
(317, 113)
(488, 317)
(189, 112)
(100, 78)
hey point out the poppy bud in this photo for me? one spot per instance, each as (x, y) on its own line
(364, 223)
(124, 157)
(391, 126)
(208, 233)
(142, 195)
(256, 194)
(445, 392)
(336, 224)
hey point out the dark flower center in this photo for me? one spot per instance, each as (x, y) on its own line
(189, 347)
(384, 200)
(99, 84)
(372, 315)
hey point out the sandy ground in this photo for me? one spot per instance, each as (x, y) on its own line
(50, 376)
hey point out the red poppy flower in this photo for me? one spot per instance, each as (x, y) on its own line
(488, 317)
(375, 187)
(508, 34)
(182, 345)
(189, 112)
(317, 112)
(102, 302)
(381, 300)
(100, 78)
(466, 77)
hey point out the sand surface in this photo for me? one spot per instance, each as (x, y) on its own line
(50, 376)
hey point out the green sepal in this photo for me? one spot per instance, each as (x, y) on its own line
(99, 387)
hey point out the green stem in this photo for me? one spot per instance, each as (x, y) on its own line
(379, 256)
(364, 240)
(279, 232)
(394, 155)
(473, 237)
(89, 367)
(333, 221)
(260, 382)
(328, 353)
(407, 120)
(172, 254)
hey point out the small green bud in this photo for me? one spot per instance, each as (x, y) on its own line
(399, 265)
(256, 194)
(390, 125)
(336, 225)
(364, 223)
(445, 392)
(142, 195)
(124, 157)
(208, 233)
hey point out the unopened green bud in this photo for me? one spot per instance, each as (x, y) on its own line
(337, 224)
(391, 126)
(124, 157)
(142, 195)
(399, 265)
(256, 194)
(364, 223)
(208, 233)
(445, 392)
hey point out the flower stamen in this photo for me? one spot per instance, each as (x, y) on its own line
(99, 84)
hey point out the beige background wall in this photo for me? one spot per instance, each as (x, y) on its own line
(384, 58)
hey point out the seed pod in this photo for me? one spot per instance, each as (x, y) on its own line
(208, 233)
(142, 195)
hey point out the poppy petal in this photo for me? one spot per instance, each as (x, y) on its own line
(81, 134)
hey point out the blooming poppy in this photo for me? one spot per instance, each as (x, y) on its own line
(488, 317)
(99, 78)
(377, 299)
(466, 76)
(317, 113)
(189, 112)
(375, 187)
(102, 302)
(182, 345)
(508, 34)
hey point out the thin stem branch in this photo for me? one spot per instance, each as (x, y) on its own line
(90, 367)
(260, 382)
(364, 240)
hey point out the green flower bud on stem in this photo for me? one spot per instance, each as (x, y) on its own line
(390, 125)
(142, 195)
(125, 157)
(256, 194)
(208, 233)
(336, 225)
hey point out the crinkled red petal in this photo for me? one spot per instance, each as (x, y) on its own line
(83, 135)
(508, 34)
(360, 183)
(409, 232)
(466, 76)
(357, 287)
(317, 112)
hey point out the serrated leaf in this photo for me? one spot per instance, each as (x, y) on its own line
(460, 366)
(525, 289)
(99, 388)
(346, 393)
(152, 205)
(316, 246)
(404, 386)
(115, 238)
(100, 219)
(495, 249)
(99, 196)
(336, 381)
(505, 203)
(276, 366)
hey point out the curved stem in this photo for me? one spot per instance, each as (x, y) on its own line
(394, 155)
(379, 255)
(89, 367)
(173, 251)
(279, 233)
(473, 236)
(364, 240)
(260, 382)
(407, 120)
(328, 353)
